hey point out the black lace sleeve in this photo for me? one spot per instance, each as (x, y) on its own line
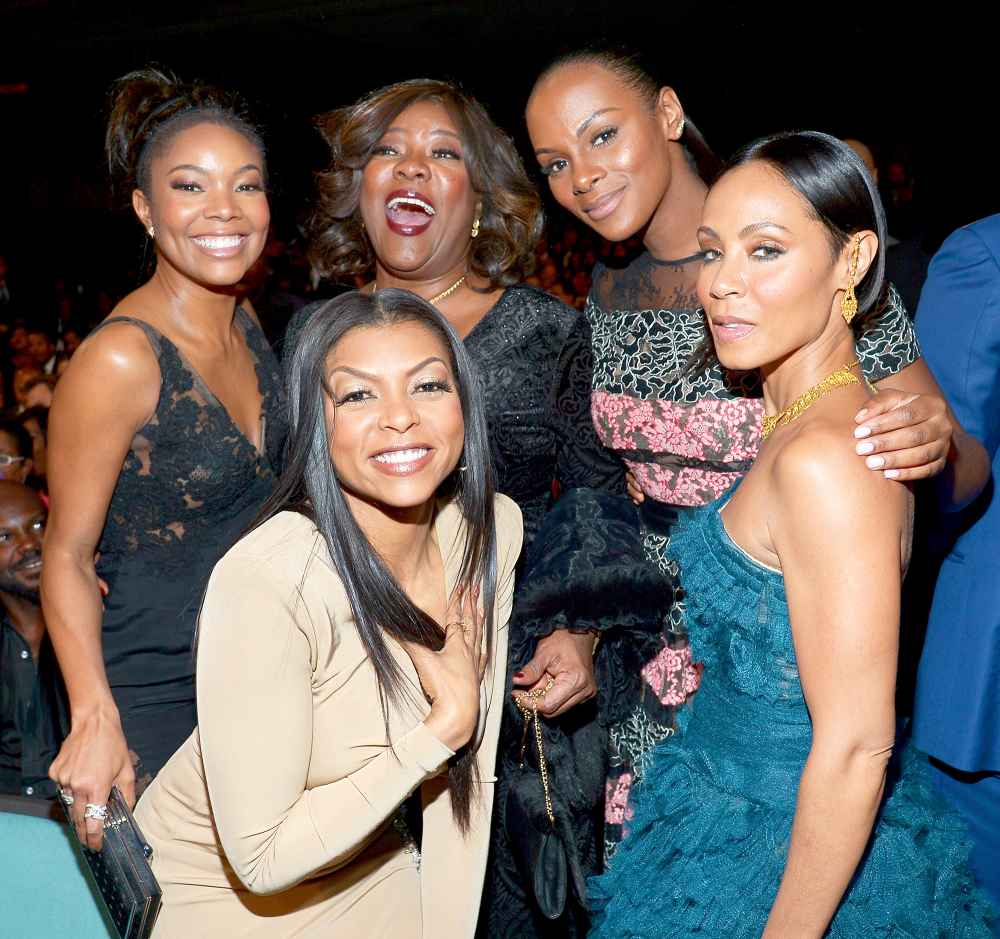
(581, 459)
(889, 342)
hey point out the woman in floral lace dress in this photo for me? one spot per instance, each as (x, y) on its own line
(620, 155)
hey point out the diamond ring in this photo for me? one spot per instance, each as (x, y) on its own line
(67, 797)
(93, 810)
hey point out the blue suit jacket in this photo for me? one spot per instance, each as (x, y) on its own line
(957, 709)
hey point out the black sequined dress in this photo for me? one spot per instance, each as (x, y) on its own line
(190, 485)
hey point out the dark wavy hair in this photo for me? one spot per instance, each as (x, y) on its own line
(149, 107)
(511, 220)
(309, 485)
(840, 193)
(630, 66)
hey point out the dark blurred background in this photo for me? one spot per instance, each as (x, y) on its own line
(899, 79)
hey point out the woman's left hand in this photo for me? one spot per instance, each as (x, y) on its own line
(904, 435)
(566, 657)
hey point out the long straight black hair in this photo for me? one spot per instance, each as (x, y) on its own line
(309, 485)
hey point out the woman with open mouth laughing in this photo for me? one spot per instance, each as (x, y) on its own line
(425, 192)
(165, 438)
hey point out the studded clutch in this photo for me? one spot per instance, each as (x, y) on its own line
(121, 872)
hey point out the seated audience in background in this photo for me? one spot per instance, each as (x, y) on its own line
(16, 451)
(35, 422)
(17, 346)
(957, 709)
(71, 339)
(31, 698)
(24, 375)
(42, 350)
(38, 392)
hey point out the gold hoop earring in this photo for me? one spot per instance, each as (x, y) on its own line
(849, 305)
(475, 228)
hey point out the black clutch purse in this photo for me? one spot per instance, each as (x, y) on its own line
(122, 873)
(535, 838)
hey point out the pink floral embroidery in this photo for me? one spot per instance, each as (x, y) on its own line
(672, 676)
(713, 430)
(616, 807)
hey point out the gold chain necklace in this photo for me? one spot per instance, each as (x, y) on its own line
(444, 293)
(838, 379)
(447, 293)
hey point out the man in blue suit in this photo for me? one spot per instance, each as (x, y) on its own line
(957, 708)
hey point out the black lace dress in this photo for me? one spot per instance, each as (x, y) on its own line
(190, 485)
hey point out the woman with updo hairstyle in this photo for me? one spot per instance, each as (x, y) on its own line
(166, 432)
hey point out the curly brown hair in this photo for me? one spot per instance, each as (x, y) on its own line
(511, 220)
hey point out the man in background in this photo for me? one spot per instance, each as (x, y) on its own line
(32, 700)
(957, 707)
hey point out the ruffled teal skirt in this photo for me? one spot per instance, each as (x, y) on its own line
(701, 861)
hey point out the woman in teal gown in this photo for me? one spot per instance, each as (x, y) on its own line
(780, 810)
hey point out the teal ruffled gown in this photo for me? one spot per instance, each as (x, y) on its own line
(710, 827)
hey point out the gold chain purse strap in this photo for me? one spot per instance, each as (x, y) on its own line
(530, 712)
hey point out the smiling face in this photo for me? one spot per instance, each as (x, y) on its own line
(22, 525)
(602, 146)
(394, 418)
(417, 200)
(207, 204)
(769, 284)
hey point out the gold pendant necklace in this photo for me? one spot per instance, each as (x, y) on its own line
(447, 293)
(838, 379)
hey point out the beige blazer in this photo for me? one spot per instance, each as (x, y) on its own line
(278, 816)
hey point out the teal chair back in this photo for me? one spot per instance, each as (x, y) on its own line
(45, 892)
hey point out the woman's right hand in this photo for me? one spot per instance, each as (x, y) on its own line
(452, 677)
(93, 758)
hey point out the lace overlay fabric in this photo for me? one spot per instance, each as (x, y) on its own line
(689, 434)
(189, 486)
(534, 360)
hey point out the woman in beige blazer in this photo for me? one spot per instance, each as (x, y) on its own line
(351, 656)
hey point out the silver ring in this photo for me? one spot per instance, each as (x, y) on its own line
(67, 797)
(93, 810)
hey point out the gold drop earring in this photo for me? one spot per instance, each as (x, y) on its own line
(849, 305)
(475, 228)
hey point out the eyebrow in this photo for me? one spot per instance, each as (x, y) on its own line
(437, 130)
(358, 373)
(746, 231)
(201, 169)
(579, 131)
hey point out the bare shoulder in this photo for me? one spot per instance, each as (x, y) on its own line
(818, 476)
(116, 364)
